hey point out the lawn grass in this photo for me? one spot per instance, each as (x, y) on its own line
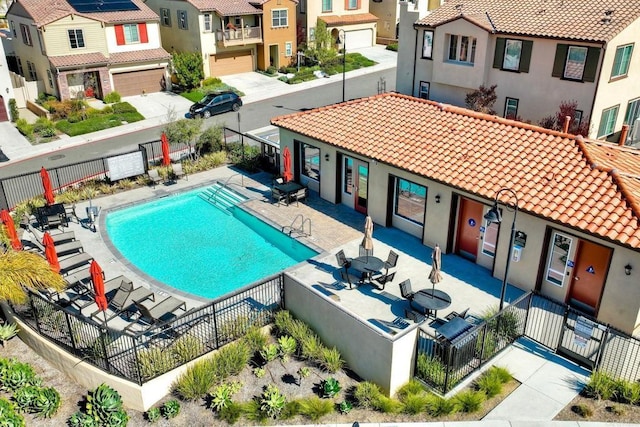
(96, 123)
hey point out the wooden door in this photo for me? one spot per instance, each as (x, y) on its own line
(589, 273)
(469, 222)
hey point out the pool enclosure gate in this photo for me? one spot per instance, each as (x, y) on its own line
(139, 357)
(20, 188)
(443, 364)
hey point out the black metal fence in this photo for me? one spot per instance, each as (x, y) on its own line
(155, 350)
(443, 364)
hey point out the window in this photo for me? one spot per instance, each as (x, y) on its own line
(13, 29)
(26, 35)
(461, 49)
(558, 257)
(490, 239)
(576, 62)
(303, 6)
(41, 42)
(207, 22)
(621, 61)
(348, 175)
(19, 64)
(182, 19)
(50, 78)
(310, 162)
(410, 201)
(288, 49)
(511, 108)
(608, 121)
(424, 90)
(33, 76)
(327, 5)
(279, 18)
(76, 39)
(131, 33)
(165, 17)
(577, 118)
(352, 4)
(312, 34)
(427, 44)
(633, 112)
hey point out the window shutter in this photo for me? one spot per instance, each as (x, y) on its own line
(499, 55)
(525, 56)
(142, 29)
(561, 57)
(591, 65)
(119, 35)
(346, 4)
(359, 4)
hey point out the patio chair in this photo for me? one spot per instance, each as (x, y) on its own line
(158, 313)
(277, 195)
(70, 212)
(454, 314)
(301, 194)
(74, 261)
(178, 172)
(72, 247)
(391, 262)
(125, 297)
(405, 290)
(345, 263)
(154, 176)
(384, 279)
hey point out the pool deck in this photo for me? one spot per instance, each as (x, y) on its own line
(333, 227)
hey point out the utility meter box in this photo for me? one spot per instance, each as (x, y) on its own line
(516, 254)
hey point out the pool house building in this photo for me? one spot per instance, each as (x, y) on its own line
(434, 171)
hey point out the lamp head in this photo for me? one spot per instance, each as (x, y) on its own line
(494, 214)
(627, 269)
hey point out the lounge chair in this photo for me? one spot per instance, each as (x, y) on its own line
(123, 300)
(110, 286)
(69, 264)
(455, 314)
(74, 246)
(178, 172)
(154, 176)
(158, 313)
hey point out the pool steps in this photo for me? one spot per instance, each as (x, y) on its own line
(222, 197)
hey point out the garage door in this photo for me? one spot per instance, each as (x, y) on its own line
(358, 39)
(134, 82)
(224, 64)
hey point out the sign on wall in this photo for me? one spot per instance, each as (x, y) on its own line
(125, 165)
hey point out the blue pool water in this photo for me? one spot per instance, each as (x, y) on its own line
(186, 243)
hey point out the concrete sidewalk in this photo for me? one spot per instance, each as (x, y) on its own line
(161, 107)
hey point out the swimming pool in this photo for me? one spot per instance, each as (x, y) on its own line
(188, 244)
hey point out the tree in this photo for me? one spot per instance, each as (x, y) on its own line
(482, 99)
(21, 271)
(188, 68)
(567, 108)
(322, 50)
(183, 131)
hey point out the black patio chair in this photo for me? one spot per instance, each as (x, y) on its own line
(405, 290)
(384, 279)
(345, 263)
(391, 262)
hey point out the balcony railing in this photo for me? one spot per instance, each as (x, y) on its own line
(238, 37)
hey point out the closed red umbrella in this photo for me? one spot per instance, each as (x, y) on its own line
(50, 252)
(165, 150)
(11, 229)
(286, 155)
(98, 285)
(46, 184)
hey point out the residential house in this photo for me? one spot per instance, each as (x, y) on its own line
(388, 13)
(88, 49)
(434, 171)
(233, 37)
(351, 17)
(539, 54)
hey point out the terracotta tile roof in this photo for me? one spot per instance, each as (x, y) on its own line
(44, 12)
(226, 7)
(358, 18)
(158, 54)
(565, 19)
(622, 161)
(553, 173)
(84, 59)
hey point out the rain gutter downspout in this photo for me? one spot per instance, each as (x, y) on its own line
(415, 62)
(595, 92)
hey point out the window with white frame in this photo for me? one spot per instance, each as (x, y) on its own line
(424, 90)
(327, 5)
(352, 4)
(410, 201)
(165, 17)
(310, 158)
(279, 18)
(579, 63)
(182, 19)
(31, 68)
(633, 112)
(461, 49)
(207, 22)
(131, 34)
(608, 121)
(76, 39)
(26, 35)
(512, 54)
(576, 60)
(558, 257)
(621, 61)
(288, 49)
(347, 186)
(312, 34)
(511, 108)
(50, 78)
(427, 45)
(577, 118)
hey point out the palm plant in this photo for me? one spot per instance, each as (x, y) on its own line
(21, 271)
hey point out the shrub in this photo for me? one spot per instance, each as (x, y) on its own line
(153, 414)
(271, 70)
(489, 384)
(331, 360)
(112, 97)
(187, 348)
(123, 107)
(600, 386)
(211, 81)
(330, 387)
(583, 410)
(438, 406)
(230, 413)
(366, 393)
(387, 405)
(25, 128)
(13, 110)
(170, 409)
(272, 401)
(469, 400)
(415, 403)
(290, 410)
(431, 369)
(155, 361)
(502, 373)
(210, 140)
(627, 392)
(315, 408)
(393, 47)
(411, 388)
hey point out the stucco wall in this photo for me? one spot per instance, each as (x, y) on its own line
(277, 35)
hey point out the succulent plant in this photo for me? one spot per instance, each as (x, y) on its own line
(221, 397)
(330, 387)
(270, 352)
(153, 414)
(47, 402)
(118, 418)
(25, 396)
(288, 347)
(16, 375)
(171, 408)
(7, 331)
(80, 419)
(345, 407)
(102, 402)
(8, 415)
(272, 401)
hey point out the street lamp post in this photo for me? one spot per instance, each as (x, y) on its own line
(343, 39)
(494, 216)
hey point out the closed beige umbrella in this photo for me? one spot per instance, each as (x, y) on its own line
(436, 261)
(367, 241)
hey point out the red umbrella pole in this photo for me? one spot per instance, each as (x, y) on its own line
(166, 159)
(46, 184)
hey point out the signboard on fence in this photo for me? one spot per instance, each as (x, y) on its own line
(582, 331)
(125, 165)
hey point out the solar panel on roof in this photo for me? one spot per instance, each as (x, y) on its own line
(89, 6)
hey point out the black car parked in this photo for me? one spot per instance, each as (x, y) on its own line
(216, 103)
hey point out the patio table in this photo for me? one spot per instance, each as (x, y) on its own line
(430, 300)
(367, 265)
(289, 189)
(453, 328)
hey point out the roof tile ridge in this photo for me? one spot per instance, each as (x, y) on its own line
(585, 153)
(627, 195)
(613, 146)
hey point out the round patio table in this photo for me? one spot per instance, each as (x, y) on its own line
(430, 300)
(367, 265)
